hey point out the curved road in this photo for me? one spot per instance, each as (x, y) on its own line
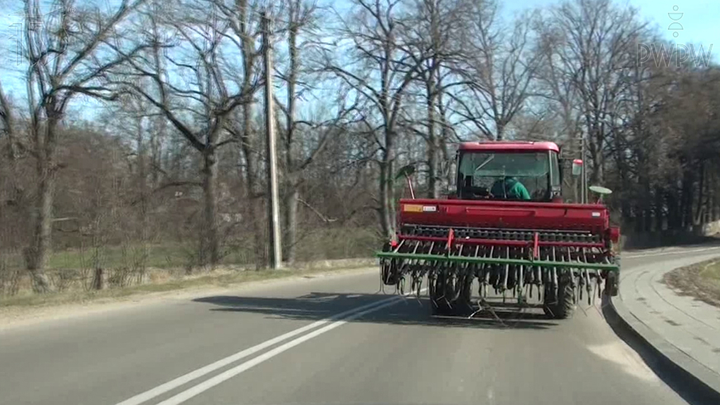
(325, 340)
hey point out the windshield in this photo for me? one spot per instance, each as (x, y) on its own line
(512, 176)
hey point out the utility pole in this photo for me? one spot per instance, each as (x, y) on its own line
(274, 210)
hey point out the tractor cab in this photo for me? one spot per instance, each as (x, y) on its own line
(518, 171)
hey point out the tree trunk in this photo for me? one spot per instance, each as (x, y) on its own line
(290, 239)
(445, 131)
(383, 210)
(712, 198)
(500, 135)
(647, 221)
(157, 136)
(386, 197)
(36, 255)
(432, 146)
(98, 282)
(626, 211)
(209, 247)
(387, 184)
(637, 219)
(597, 175)
(142, 186)
(248, 54)
(659, 214)
(41, 243)
(7, 115)
(18, 194)
(391, 198)
(700, 210)
(674, 217)
(247, 146)
(687, 200)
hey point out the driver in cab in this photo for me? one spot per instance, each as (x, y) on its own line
(510, 188)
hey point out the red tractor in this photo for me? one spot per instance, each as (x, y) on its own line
(506, 228)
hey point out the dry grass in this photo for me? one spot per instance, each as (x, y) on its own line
(161, 280)
(129, 269)
(701, 281)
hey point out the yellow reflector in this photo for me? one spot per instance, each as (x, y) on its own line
(412, 208)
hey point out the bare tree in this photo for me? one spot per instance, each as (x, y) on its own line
(68, 51)
(557, 94)
(13, 194)
(555, 80)
(594, 43)
(143, 127)
(377, 68)
(499, 65)
(303, 140)
(244, 24)
(299, 16)
(433, 29)
(12, 144)
(195, 70)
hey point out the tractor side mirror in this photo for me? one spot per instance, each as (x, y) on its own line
(407, 172)
(577, 167)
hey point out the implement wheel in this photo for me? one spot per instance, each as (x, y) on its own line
(612, 281)
(564, 306)
(440, 296)
(450, 296)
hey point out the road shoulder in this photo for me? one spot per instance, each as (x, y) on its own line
(13, 317)
(676, 330)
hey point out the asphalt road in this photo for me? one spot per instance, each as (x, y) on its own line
(290, 343)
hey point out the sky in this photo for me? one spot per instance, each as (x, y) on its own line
(699, 20)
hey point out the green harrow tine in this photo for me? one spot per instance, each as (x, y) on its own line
(497, 260)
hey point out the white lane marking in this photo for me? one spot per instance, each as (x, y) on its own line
(209, 383)
(170, 385)
(674, 252)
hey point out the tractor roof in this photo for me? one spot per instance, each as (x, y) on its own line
(509, 146)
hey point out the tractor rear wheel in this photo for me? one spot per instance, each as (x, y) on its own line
(564, 306)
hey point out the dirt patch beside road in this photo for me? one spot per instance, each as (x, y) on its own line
(701, 281)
